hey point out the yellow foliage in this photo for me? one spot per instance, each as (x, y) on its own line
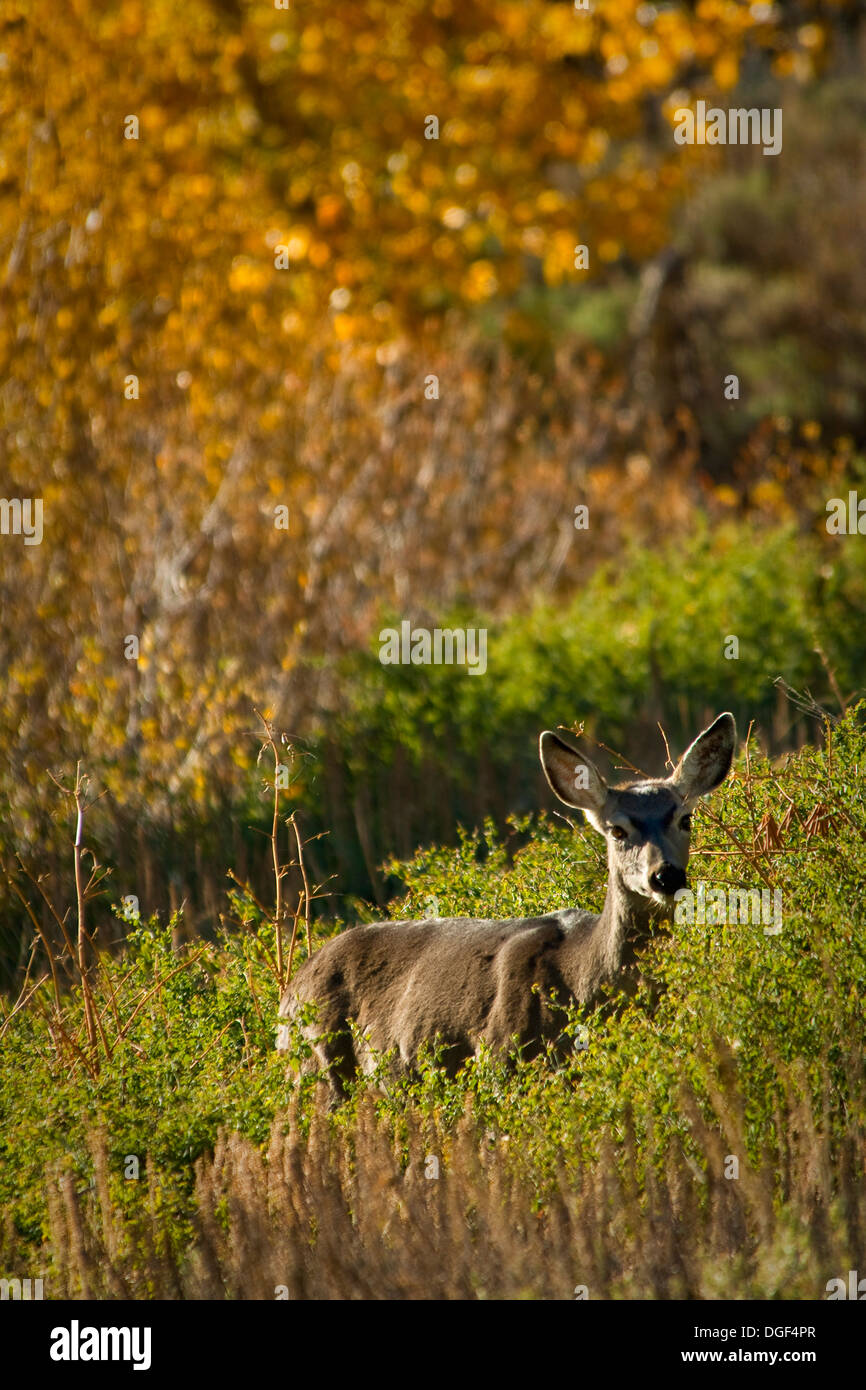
(726, 71)
(154, 257)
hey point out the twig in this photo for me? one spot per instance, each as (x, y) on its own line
(198, 1060)
(46, 943)
(37, 884)
(184, 965)
(270, 742)
(805, 702)
(79, 895)
(669, 762)
(307, 896)
(294, 939)
(831, 676)
(623, 762)
(20, 1002)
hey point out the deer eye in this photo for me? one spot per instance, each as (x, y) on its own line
(686, 823)
(618, 833)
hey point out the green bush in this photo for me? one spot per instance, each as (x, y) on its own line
(416, 750)
(736, 1043)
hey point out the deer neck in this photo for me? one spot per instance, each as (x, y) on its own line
(624, 920)
(625, 917)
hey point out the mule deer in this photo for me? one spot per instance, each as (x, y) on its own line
(402, 984)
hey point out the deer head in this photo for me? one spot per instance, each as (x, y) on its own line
(647, 824)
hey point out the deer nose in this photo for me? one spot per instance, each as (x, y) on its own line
(668, 879)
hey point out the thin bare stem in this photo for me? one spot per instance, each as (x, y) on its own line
(293, 821)
(295, 921)
(270, 742)
(89, 1012)
(669, 762)
(46, 943)
(831, 676)
(184, 965)
(37, 884)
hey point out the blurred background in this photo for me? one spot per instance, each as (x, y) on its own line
(231, 261)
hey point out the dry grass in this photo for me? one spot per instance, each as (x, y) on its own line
(346, 1212)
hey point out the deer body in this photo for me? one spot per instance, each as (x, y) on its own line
(466, 982)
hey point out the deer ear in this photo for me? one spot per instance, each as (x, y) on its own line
(707, 762)
(574, 779)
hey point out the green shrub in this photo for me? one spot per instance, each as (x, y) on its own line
(737, 1044)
